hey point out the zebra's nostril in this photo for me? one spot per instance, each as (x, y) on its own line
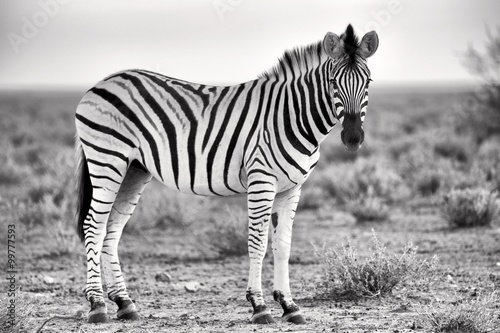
(354, 140)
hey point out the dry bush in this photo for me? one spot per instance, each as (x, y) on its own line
(366, 187)
(10, 173)
(466, 316)
(369, 209)
(470, 207)
(488, 160)
(365, 177)
(454, 147)
(481, 111)
(429, 181)
(377, 275)
(313, 196)
(428, 174)
(227, 235)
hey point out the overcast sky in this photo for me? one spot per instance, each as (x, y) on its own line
(77, 42)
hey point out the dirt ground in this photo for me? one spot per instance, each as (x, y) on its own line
(469, 262)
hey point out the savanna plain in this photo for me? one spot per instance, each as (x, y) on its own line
(402, 236)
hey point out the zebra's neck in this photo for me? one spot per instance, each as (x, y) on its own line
(304, 98)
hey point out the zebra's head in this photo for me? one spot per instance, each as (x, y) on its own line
(349, 79)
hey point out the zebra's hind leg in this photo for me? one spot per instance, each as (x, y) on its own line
(282, 218)
(130, 191)
(94, 231)
(261, 192)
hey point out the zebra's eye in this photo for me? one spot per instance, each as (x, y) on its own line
(368, 83)
(334, 83)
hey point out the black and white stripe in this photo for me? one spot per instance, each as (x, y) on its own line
(260, 138)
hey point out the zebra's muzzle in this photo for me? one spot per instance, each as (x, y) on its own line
(352, 134)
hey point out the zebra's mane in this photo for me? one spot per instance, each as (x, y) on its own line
(301, 59)
(298, 60)
(351, 44)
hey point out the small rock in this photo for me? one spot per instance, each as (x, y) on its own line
(192, 286)
(163, 277)
(177, 286)
(48, 280)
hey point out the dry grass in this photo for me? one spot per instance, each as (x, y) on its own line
(25, 309)
(470, 207)
(163, 209)
(227, 235)
(477, 315)
(346, 275)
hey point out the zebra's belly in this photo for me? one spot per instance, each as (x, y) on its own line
(203, 185)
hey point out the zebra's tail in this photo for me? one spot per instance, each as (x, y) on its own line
(84, 191)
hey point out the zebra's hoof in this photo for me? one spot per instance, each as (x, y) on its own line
(134, 315)
(262, 318)
(98, 318)
(295, 318)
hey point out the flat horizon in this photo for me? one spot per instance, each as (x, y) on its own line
(442, 85)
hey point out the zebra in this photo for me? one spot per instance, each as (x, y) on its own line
(260, 137)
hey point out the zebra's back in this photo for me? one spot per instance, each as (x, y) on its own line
(189, 136)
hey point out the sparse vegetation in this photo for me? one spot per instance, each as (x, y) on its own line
(481, 111)
(428, 181)
(369, 209)
(488, 160)
(477, 315)
(454, 148)
(470, 207)
(363, 178)
(227, 235)
(377, 275)
(21, 316)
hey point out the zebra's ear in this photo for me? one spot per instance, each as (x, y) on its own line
(332, 45)
(368, 45)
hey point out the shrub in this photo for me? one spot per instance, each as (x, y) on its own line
(481, 114)
(227, 236)
(353, 181)
(10, 172)
(377, 275)
(470, 207)
(428, 174)
(10, 175)
(456, 149)
(312, 197)
(488, 160)
(466, 316)
(428, 182)
(369, 209)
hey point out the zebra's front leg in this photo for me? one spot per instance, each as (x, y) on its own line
(282, 218)
(260, 201)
